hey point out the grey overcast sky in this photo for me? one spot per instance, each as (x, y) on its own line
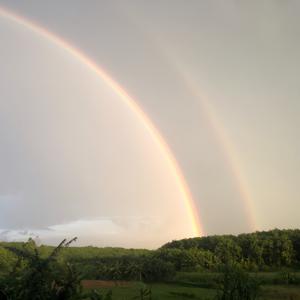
(219, 80)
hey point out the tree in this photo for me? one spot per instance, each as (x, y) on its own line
(228, 251)
(155, 269)
(236, 284)
(40, 278)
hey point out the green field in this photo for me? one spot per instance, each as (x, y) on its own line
(163, 291)
(203, 285)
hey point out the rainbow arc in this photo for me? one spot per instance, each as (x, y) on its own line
(128, 100)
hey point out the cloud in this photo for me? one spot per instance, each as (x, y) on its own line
(60, 231)
(16, 235)
(118, 231)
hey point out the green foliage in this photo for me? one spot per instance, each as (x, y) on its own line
(31, 272)
(36, 278)
(187, 259)
(286, 277)
(43, 275)
(254, 251)
(7, 260)
(227, 250)
(237, 284)
(155, 269)
(270, 250)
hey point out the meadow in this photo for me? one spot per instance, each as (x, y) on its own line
(199, 285)
(168, 291)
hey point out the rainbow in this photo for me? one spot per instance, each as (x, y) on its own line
(190, 205)
(229, 150)
(230, 153)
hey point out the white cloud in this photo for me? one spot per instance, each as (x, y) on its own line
(117, 231)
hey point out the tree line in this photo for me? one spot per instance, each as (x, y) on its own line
(258, 251)
(265, 250)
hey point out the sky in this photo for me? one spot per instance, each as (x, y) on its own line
(217, 79)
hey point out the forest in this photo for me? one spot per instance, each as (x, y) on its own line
(245, 266)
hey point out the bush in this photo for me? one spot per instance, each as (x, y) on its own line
(236, 284)
(34, 277)
(155, 269)
(286, 277)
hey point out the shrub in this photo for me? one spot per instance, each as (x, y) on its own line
(236, 284)
(155, 269)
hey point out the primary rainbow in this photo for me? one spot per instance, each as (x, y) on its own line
(128, 100)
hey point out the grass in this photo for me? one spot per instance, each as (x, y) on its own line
(162, 291)
(280, 292)
(197, 279)
(175, 291)
(202, 286)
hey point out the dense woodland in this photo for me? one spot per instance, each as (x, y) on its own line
(255, 251)
(59, 270)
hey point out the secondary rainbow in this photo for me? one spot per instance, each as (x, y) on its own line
(128, 100)
(230, 154)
